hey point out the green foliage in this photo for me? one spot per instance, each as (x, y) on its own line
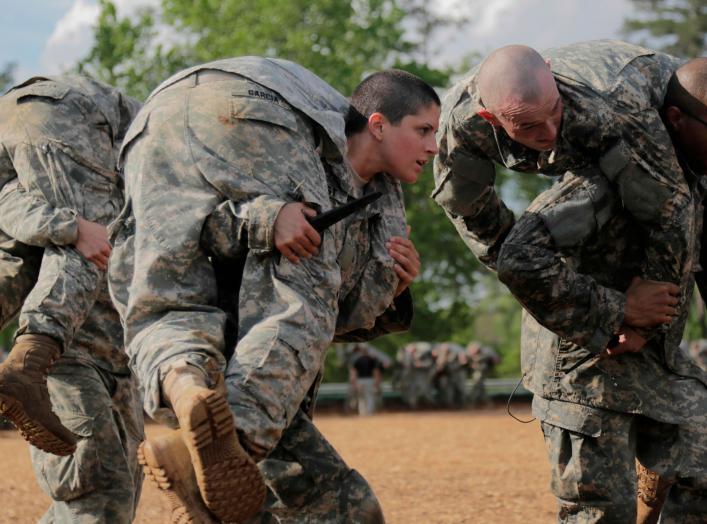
(6, 76)
(678, 27)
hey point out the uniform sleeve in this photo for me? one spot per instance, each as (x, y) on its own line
(236, 227)
(33, 221)
(532, 265)
(464, 188)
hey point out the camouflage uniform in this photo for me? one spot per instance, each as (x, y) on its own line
(417, 374)
(59, 138)
(222, 147)
(451, 374)
(60, 163)
(612, 93)
(567, 260)
(481, 364)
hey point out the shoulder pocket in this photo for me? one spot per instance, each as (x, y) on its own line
(49, 90)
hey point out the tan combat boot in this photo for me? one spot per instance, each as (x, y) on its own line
(229, 480)
(24, 397)
(166, 462)
(652, 492)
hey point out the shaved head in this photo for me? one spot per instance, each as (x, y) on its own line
(688, 86)
(685, 113)
(519, 94)
(512, 75)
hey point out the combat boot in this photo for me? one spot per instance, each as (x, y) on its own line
(652, 492)
(167, 463)
(24, 397)
(229, 480)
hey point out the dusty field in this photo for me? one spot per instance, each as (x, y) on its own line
(426, 468)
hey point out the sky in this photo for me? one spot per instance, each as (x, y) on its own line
(49, 36)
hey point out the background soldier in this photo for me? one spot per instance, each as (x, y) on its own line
(255, 140)
(365, 378)
(59, 138)
(452, 372)
(418, 370)
(482, 360)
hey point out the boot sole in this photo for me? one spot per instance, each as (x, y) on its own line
(32, 431)
(230, 482)
(186, 507)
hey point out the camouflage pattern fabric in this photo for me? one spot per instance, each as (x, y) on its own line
(247, 145)
(418, 370)
(611, 93)
(101, 481)
(310, 483)
(19, 268)
(575, 246)
(58, 160)
(592, 452)
(59, 140)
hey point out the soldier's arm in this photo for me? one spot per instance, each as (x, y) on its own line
(33, 221)
(572, 305)
(464, 188)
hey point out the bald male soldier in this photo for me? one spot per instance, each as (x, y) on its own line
(592, 104)
(567, 260)
(234, 152)
(59, 139)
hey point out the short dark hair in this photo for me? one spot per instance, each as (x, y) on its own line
(393, 93)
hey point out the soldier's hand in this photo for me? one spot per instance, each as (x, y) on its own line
(92, 242)
(650, 303)
(407, 260)
(629, 342)
(293, 236)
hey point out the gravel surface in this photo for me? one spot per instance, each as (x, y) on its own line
(430, 467)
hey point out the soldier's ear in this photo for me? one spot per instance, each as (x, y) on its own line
(674, 116)
(375, 125)
(486, 115)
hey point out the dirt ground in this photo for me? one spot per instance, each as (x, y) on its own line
(426, 468)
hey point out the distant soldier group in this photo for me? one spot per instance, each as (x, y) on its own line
(438, 374)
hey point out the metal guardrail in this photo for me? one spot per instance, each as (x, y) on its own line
(495, 387)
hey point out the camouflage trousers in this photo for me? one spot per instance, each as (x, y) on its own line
(101, 481)
(477, 392)
(19, 268)
(416, 384)
(309, 483)
(67, 284)
(593, 453)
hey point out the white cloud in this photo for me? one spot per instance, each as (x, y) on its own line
(537, 23)
(72, 37)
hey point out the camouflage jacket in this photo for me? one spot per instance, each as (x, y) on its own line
(162, 274)
(25, 213)
(611, 93)
(568, 260)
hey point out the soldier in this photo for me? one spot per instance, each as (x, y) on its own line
(570, 260)
(593, 104)
(238, 152)
(365, 379)
(451, 374)
(59, 140)
(482, 360)
(418, 372)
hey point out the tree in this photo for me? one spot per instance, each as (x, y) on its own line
(678, 27)
(6, 76)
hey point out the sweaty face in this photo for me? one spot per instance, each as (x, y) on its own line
(534, 124)
(409, 144)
